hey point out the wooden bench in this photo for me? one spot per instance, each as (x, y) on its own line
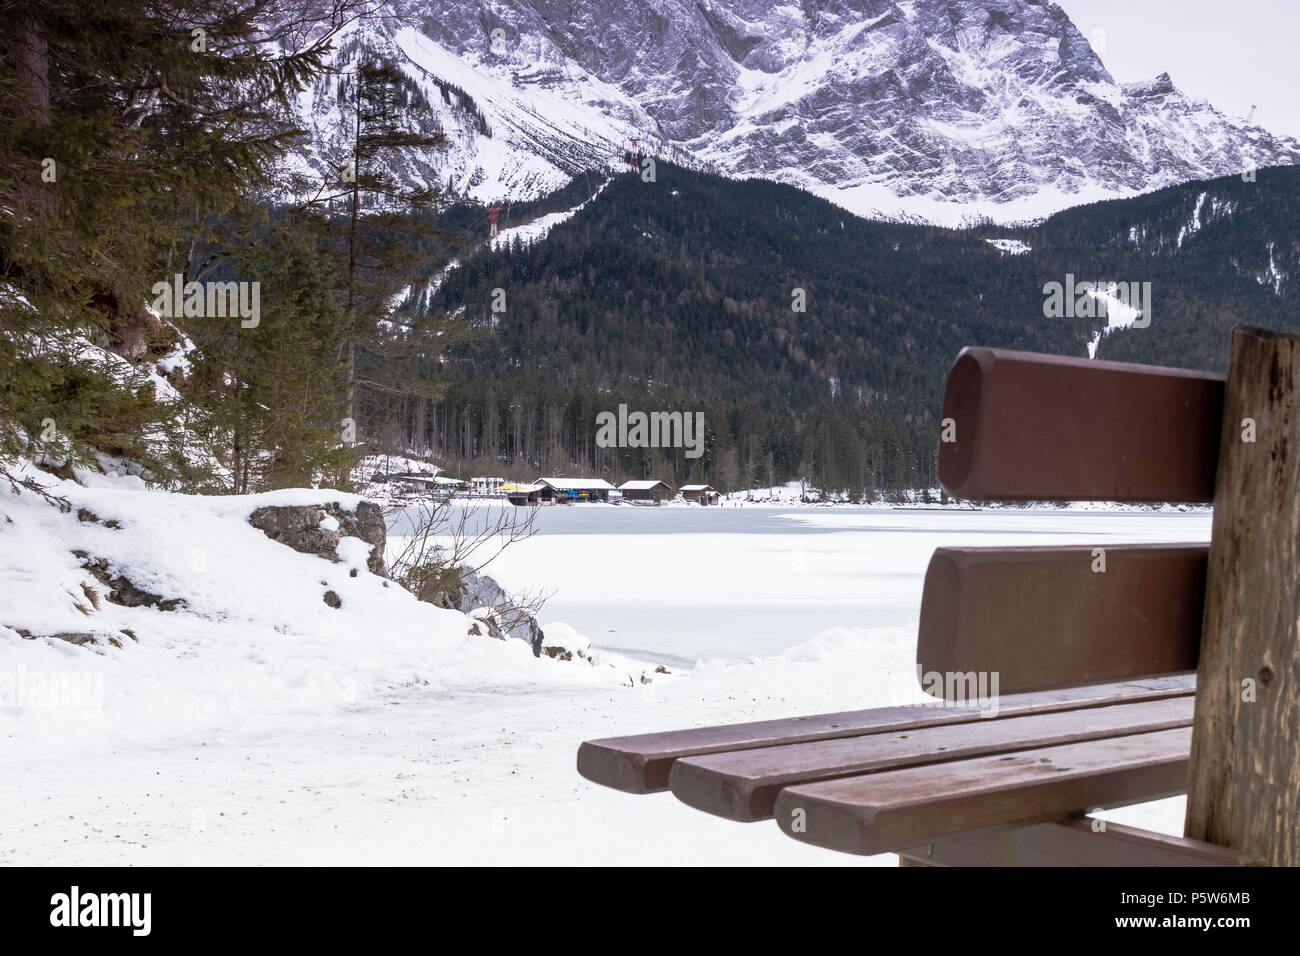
(1124, 673)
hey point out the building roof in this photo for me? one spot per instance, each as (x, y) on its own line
(643, 485)
(695, 488)
(576, 484)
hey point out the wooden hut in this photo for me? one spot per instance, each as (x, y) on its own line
(650, 491)
(569, 490)
(703, 494)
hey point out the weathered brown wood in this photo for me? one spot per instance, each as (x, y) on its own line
(1244, 789)
(641, 763)
(884, 812)
(1045, 617)
(1075, 841)
(742, 785)
(1034, 427)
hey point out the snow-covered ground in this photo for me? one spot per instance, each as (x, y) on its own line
(258, 725)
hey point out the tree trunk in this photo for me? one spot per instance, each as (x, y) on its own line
(31, 62)
(352, 268)
(1244, 784)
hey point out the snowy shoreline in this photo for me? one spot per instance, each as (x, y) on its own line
(259, 724)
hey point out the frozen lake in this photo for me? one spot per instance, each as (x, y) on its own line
(676, 585)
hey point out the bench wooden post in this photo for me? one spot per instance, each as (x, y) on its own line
(1244, 784)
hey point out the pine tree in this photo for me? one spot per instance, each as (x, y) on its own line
(127, 127)
(390, 350)
(272, 395)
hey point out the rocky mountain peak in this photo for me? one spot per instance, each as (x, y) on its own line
(942, 110)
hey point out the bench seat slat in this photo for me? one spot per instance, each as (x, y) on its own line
(1043, 617)
(641, 763)
(743, 785)
(1075, 841)
(1032, 427)
(883, 812)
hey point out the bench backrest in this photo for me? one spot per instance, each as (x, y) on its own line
(1024, 427)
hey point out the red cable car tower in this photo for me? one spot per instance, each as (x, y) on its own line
(493, 211)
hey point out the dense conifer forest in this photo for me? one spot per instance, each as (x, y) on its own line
(684, 294)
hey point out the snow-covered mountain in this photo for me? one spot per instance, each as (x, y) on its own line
(943, 110)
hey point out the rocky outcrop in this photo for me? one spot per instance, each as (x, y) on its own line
(874, 104)
(317, 529)
(496, 612)
(120, 588)
(482, 592)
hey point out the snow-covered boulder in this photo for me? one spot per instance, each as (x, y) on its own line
(319, 528)
(563, 642)
(481, 597)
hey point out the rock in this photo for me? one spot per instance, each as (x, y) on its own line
(307, 528)
(484, 617)
(366, 523)
(72, 637)
(532, 633)
(565, 638)
(483, 599)
(332, 599)
(481, 591)
(121, 590)
(299, 527)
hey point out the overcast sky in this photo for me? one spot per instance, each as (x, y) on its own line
(1233, 53)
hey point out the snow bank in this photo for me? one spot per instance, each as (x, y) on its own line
(565, 637)
(251, 633)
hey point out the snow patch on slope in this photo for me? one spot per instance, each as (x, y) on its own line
(539, 228)
(1010, 247)
(1119, 315)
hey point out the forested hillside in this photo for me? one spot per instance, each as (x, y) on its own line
(683, 294)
